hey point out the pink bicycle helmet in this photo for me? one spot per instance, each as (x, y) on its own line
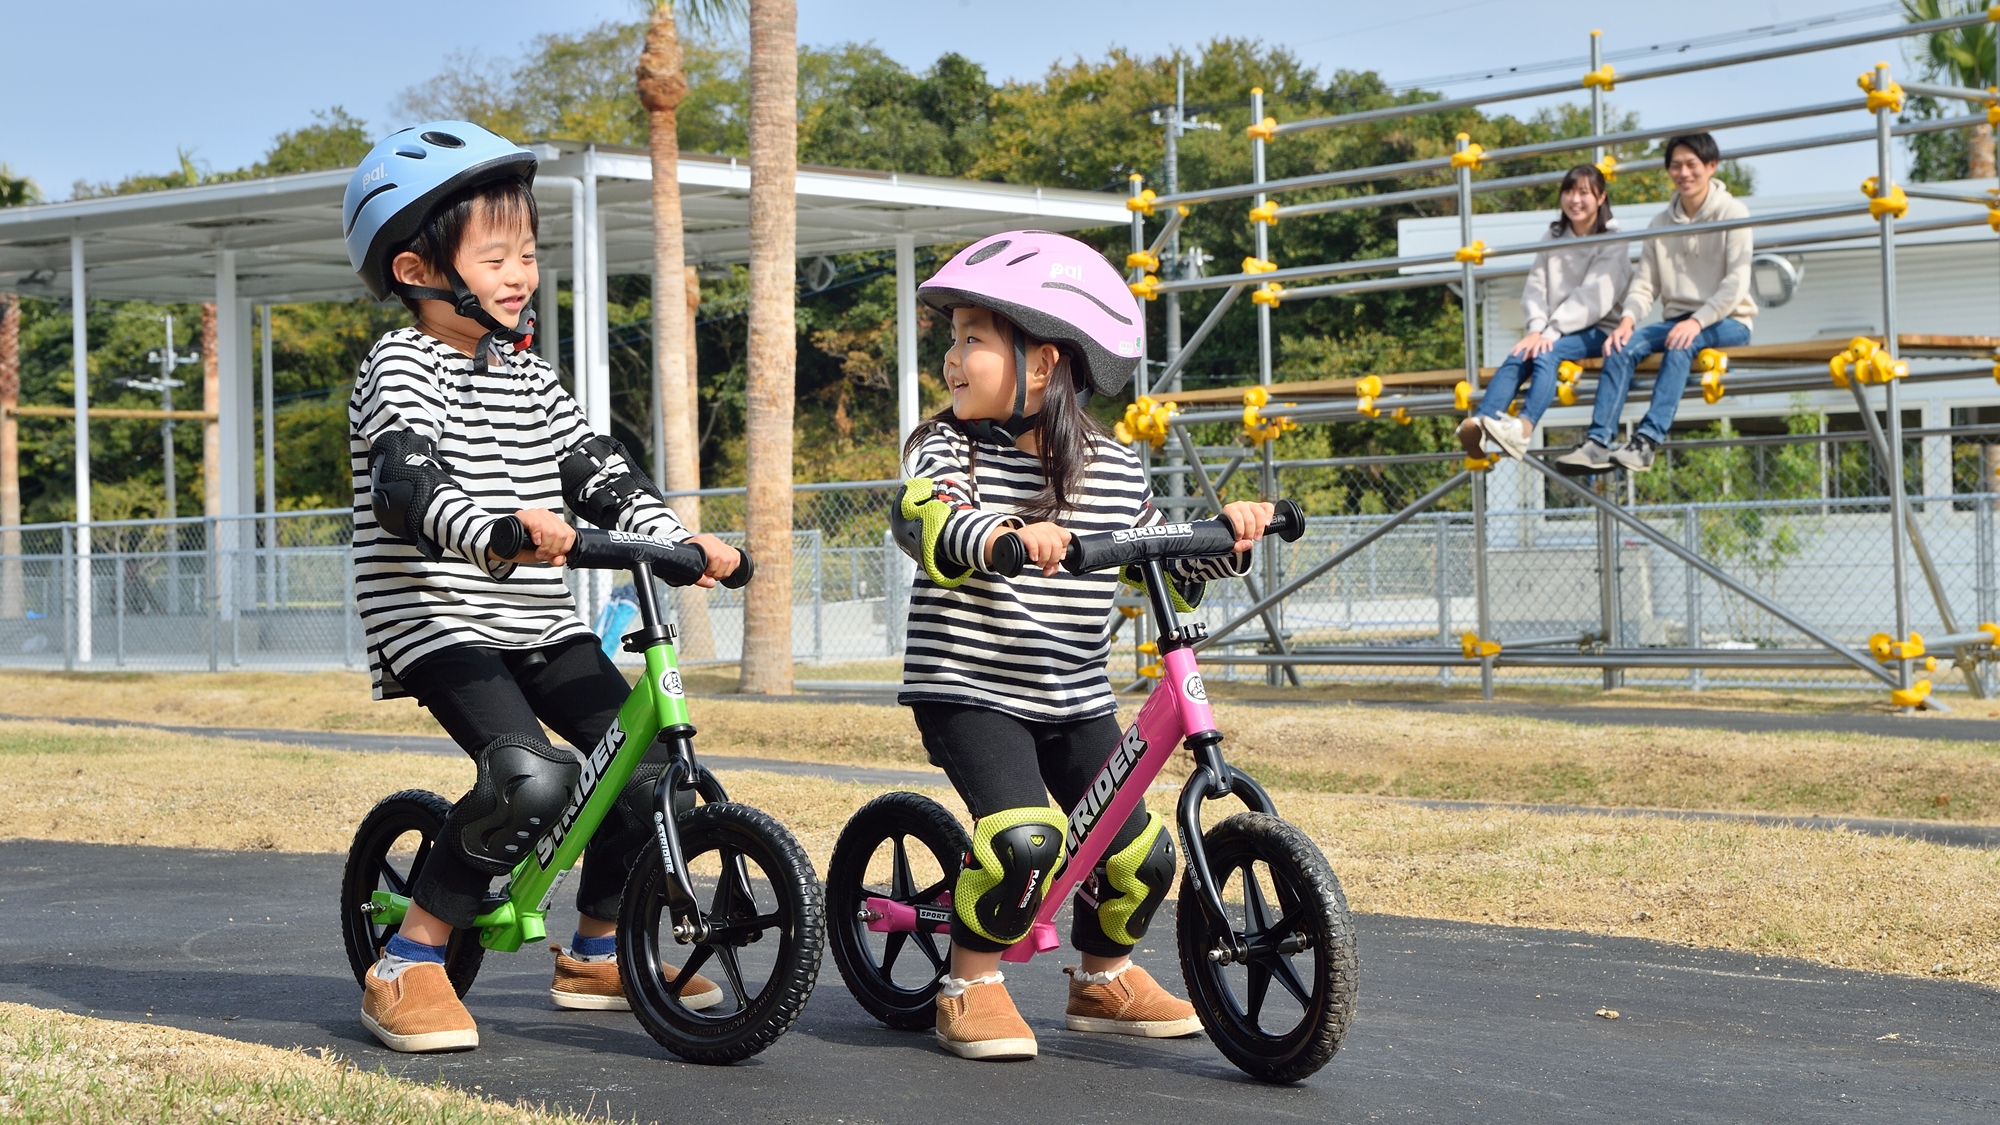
(1058, 290)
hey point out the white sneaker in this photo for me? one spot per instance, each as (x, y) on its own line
(1505, 431)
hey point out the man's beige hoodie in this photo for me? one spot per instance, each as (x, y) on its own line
(1703, 275)
(1571, 288)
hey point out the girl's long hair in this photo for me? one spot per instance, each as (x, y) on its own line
(1594, 176)
(1064, 433)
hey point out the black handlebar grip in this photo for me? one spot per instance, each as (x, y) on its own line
(1288, 522)
(510, 538)
(744, 572)
(1010, 557)
(1107, 549)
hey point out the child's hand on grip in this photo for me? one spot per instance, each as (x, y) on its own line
(1046, 544)
(1249, 518)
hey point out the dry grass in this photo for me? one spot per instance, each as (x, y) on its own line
(59, 1067)
(1886, 904)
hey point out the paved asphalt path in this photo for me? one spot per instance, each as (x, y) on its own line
(1456, 1022)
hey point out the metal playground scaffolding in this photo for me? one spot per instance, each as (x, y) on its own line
(1291, 616)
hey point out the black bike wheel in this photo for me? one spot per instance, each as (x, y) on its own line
(873, 858)
(1287, 908)
(389, 850)
(766, 914)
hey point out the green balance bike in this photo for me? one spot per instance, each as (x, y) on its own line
(724, 886)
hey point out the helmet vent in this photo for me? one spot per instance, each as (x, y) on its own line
(379, 189)
(414, 152)
(1108, 310)
(985, 252)
(443, 140)
(1024, 257)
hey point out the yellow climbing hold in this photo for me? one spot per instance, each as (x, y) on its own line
(1470, 158)
(1478, 464)
(1604, 78)
(1255, 426)
(1150, 648)
(1885, 648)
(1889, 98)
(1475, 253)
(1866, 362)
(1713, 364)
(1402, 416)
(1461, 394)
(1258, 265)
(1145, 420)
(1151, 671)
(1913, 696)
(1148, 287)
(1142, 202)
(1265, 213)
(1475, 649)
(1566, 375)
(1609, 167)
(1143, 260)
(1271, 294)
(1265, 130)
(1130, 612)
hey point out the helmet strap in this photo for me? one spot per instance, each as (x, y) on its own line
(1005, 434)
(464, 302)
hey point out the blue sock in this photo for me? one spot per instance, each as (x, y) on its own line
(593, 946)
(400, 946)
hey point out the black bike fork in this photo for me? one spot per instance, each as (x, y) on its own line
(1213, 779)
(683, 774)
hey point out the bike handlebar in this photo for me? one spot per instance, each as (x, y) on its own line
(1203, 539)
(675, 563)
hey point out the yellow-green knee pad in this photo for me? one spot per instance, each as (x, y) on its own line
(1015, 856)
(1134, 881)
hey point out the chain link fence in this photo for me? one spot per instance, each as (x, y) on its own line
(1798, 519)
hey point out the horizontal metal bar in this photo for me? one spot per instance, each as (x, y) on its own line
(1959, 640)
(1918, 191)
(1509, 658)
(1574, 85)
(1383, 265)
(1962, 93)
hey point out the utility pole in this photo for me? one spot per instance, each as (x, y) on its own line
(169, 361)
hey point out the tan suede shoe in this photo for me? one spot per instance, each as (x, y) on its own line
(1132, 1003)
(982, 1023)
(594, 986)
(418, 1011)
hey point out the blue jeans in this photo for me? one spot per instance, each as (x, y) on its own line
(1615, 382)
(1506, 382)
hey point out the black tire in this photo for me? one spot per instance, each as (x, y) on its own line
(373, 865)
(1285, 1041)
(764, 983)
(869, 961)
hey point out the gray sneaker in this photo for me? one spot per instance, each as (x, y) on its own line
(1590, 457)
(1636, 455)
(1505, 432)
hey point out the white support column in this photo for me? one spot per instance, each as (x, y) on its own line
(236, 408)
(908, 402)
(600, 321)
(270, 463)
(548, 319)
(593, 372)
(80, 372)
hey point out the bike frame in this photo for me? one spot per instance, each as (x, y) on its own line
(1177, 711)
(657, 708)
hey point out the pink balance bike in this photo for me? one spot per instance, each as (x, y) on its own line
(1266, 944)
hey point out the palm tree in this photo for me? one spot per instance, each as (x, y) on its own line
(1963, 56)
(662, 84)
(774, 164)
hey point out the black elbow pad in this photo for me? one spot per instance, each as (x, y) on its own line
(403, 478)
(601, 505)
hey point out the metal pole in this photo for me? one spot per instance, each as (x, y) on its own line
(908, 404)
(1267, 478)
(80, 373)
(349, 613)
(1713, 572)
(1467, 301)
(68, 596)
(1272, 628)
(214, 597)
(1609, 593)
(1983, 528)
(270, 466)
(1691, 536)
(1176, 484)
(819, 599)
(1439, 555)
(1596, 97)
(1899, 515)
(118, 595)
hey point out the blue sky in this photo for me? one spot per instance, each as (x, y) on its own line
(98, 91)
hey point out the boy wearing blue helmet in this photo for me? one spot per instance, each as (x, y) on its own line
(453, 426)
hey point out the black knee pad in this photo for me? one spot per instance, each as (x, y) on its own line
(524, 785)
(1015, 856)
(1132, 882)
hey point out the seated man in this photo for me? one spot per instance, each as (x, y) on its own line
(1704, 281)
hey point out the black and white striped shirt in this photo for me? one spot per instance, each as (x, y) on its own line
(501, 435)
(1033, 647)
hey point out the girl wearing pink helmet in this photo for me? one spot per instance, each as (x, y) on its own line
(1006, 677)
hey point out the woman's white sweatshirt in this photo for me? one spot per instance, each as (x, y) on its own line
(1571, 288)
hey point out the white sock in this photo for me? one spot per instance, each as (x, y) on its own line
(1081, 977)
(391, 966)
(956, 986)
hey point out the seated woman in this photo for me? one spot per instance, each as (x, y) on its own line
(1570, 303)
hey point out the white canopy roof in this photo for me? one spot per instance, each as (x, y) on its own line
(286, 229)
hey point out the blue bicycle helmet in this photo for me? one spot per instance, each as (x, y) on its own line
(402, 180)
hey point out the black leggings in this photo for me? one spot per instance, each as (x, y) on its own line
(998, 762)
(480, 694)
